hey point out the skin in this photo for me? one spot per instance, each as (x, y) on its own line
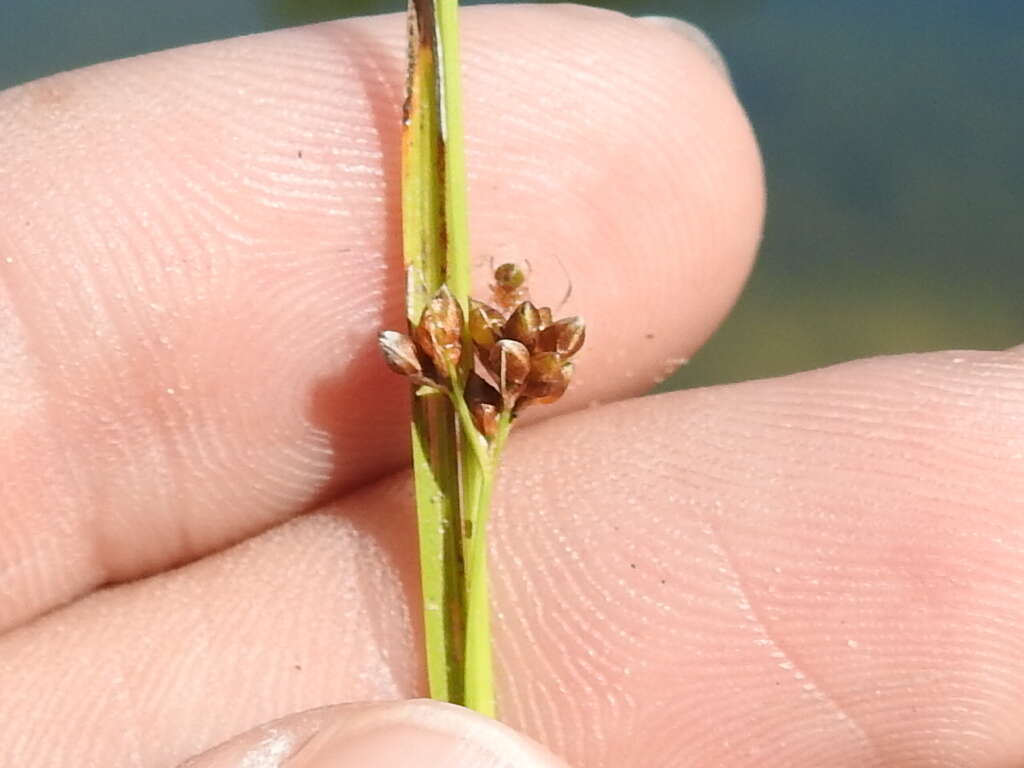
(823, 569)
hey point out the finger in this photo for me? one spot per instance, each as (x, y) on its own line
(824, 569)
(408, 734)
(198, 248)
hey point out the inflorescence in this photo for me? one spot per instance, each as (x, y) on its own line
(522, 355)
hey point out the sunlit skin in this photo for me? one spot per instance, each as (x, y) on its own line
(205, 515)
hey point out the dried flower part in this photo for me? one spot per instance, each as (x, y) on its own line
(509, 277)
(509, 362)
(478, 388)
(549, 378)
(545, 367)
(545, 317)
(523, 325)
(485, 418)
(399, 353)
(485, 324)
(526, 354)
(549, 392)
(564, 337)
(402, 357)
(509, 288)
(484, 404)
(439, 333)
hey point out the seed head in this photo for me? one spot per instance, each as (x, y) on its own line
(402, 357)
(549, 377)
(439, 333)
(484, 324)
(545, 317)
(523, 325)
(564, 337)
(484, 405)
(399, 353)
(554, 390)
(509, 363)
(485, 418)
(509, 277)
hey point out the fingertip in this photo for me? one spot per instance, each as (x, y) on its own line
(639, 186)
(208, 242)
(692, 34)
(407, 734)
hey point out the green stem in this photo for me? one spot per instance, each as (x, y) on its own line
(455, 199)
(479, 669)
(477, 442)
(434, 441)
(441, 558)
(478, 469)
(453, 487)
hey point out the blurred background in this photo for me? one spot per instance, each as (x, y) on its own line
(892, 137)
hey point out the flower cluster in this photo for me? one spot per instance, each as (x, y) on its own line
(523, 354)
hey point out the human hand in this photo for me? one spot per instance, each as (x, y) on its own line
(197, 251)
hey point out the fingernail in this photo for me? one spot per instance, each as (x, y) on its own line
(694, 35)
(395, 746)
(419, 734)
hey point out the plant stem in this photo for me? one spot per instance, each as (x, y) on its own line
(454, 477)
(434, 441)
(478, 468)
(479, 670)
(449, 81)
(442, 572)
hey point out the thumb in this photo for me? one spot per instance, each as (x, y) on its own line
(406, 734)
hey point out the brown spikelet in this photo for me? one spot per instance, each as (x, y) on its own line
(402, 357)
(523, 325)
(509, 363)
(509, 276)
(439, 333)
(399, 353)
(484, 404)
(549, 377)
(564, 337)
(485, 324)
(545, 317)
